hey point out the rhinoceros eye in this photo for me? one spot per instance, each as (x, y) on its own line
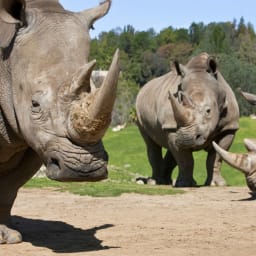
(35, 102)
(208, 112)
(35, 106)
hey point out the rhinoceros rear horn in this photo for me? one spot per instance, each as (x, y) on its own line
(81, 80)
(242, 162)
(91, 115)
(91, 15)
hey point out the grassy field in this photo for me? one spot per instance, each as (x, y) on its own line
(128, 160)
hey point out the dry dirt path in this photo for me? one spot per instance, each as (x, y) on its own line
(203, 221)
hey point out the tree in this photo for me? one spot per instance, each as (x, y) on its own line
(196, 31)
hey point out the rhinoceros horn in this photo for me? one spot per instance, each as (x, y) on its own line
(182, 106)
(250, 145)
(242, 162)
(91, 114)
(251, 98)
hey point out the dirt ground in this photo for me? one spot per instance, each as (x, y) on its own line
(202, 221)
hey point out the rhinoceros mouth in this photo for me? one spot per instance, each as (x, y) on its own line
(67, 165)
(190, 137)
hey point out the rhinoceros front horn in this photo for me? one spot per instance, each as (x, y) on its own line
(90, 116)
(181, 107)
(242, 162)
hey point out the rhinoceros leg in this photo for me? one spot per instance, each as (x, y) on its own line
(155, 158)
(214, 161)
(154, 153)
(169, 164)
(185, 163)
(10, 182)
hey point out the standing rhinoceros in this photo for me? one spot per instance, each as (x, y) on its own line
(183, 111)
(243, 162)
(49, 111)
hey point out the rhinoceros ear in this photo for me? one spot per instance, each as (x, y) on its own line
(179, 68)
(11, 15)
(212, 66)
(93, 14)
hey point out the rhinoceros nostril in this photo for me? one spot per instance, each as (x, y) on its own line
(55, 161)
(198, 137)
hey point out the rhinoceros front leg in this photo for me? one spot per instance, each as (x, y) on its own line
(185, 163)
(155, 158)
(214, 161)
(10, 181)
(7, 235)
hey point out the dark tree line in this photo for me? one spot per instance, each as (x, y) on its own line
(147, 54)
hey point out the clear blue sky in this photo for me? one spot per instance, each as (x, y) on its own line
(159, 14)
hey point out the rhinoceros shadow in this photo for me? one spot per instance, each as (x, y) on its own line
(59, 236)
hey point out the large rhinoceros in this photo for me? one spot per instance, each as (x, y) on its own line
(49, 111)
(183, 111)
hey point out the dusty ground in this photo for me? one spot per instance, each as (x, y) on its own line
(203, 221)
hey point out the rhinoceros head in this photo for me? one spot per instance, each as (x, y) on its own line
(198, 102)
(243, 162)
(60, 114)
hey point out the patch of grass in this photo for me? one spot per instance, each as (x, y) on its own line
(102, 189)
(128, 160)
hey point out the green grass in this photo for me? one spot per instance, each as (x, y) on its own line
(128, 160)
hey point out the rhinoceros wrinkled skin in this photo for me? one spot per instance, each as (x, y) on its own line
(184, 111)
(50, 112)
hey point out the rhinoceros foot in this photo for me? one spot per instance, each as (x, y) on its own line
(152, 181)
(185, 182)
(218, 180)
(9, 236)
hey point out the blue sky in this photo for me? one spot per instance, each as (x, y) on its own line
(159, 14)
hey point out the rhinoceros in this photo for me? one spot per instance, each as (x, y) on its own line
(244, 162)
(50, 112)
(184, 111)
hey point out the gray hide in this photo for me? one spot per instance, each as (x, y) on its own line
(184, 111)
(50, 112)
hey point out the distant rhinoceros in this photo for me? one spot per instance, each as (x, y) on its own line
(49, 111)
(184, 111)
(243, 162)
